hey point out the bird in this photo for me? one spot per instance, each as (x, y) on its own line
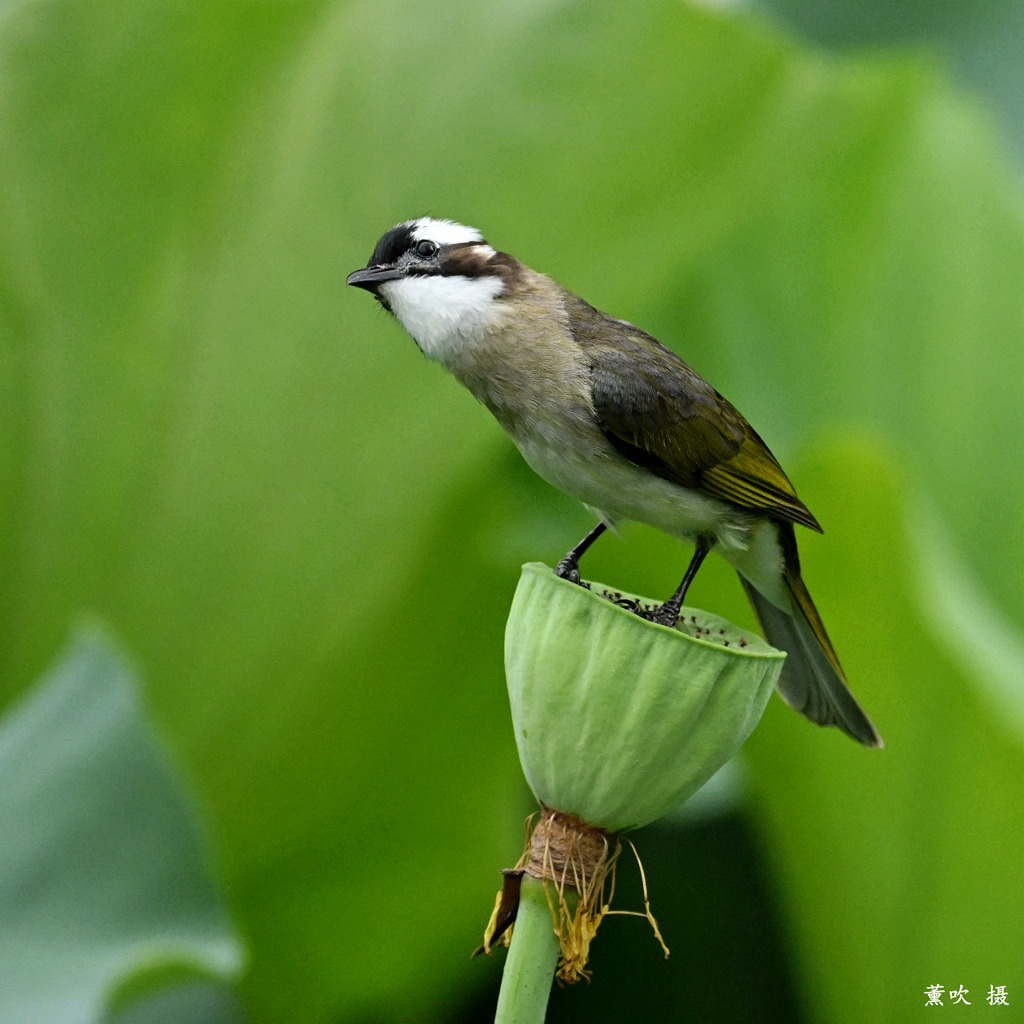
(606, 413)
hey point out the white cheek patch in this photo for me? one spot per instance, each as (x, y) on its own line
(443, 314)
(444, 232)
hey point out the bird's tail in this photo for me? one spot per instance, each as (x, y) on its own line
(812, 679)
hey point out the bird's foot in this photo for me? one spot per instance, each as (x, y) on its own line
(664, 614)
(568, 569)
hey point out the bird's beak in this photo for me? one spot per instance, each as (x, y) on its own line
(370, 277)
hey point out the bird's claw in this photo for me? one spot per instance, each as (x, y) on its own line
(664, 614)
(567, 569)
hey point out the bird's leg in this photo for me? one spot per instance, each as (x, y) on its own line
(569, 567)
(668, 612)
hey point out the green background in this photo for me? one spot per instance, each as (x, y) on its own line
(308, 538)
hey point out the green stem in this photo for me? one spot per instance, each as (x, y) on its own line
(531, 962)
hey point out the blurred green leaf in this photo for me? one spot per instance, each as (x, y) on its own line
(903, 864)
(983, 40)
(310, 537)
(188, 1003)
(103, 875)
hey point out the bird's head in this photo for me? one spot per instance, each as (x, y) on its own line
(440, 279)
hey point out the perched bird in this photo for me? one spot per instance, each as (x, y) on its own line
(609, 415)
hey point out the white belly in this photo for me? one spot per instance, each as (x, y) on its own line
(616, 489)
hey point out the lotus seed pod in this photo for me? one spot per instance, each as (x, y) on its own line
(619, 719)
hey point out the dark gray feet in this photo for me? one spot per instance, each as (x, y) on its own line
(569, 567)
(667, 613)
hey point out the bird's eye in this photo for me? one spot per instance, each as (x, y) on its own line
(426, 249)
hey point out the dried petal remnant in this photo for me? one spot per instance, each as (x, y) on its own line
(576, 862)
(564, 849)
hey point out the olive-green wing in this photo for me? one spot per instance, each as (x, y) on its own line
(753, 479)
(664, 416)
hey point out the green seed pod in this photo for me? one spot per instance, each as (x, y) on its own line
(618, 719)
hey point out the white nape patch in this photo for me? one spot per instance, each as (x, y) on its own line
(443, 314)
(444, 232)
